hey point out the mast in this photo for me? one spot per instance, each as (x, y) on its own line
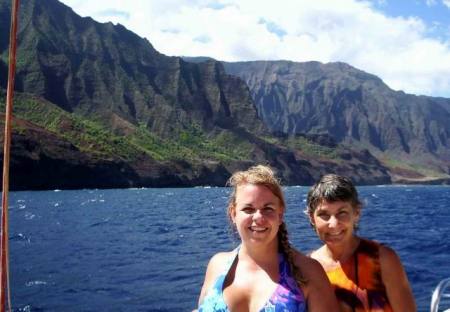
(5, 293)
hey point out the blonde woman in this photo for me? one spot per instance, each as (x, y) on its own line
(264, 273)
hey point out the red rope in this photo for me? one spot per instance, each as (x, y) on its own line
(5, 293)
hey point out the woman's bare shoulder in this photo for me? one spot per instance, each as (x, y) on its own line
(317, 253)
(216, 266)
(218, 262)
(391, 264)
(221, 258)
(310, 267)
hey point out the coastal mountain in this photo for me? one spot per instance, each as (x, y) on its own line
(90, 68)
(354, 108)
(98, 106)
(408, 133)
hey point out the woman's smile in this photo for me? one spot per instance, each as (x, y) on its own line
(258, 229)
(257, 214)
(334, 221)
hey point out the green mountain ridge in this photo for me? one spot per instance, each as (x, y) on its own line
(98, 106)
(55, 145)
(53, 148)
(354, 108)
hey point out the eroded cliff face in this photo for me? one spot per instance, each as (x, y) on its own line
(158, 120)
(92, 68)
(351, 106)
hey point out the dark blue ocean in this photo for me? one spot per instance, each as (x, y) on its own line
(146, 249)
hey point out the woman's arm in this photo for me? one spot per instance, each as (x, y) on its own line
(215, 267)
(396, 282)
(318, 291)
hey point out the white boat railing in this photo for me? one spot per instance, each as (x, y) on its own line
(441, 291)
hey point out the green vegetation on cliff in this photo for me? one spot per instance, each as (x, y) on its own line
(95, 138)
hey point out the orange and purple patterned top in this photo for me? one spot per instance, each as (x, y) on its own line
(357, 282)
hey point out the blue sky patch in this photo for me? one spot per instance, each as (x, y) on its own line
(202, 39)
(273, 28)
(434, 13)
(114, 12)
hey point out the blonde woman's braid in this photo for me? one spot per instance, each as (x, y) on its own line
(286, 248)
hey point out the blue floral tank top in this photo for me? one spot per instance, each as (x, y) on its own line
(286, 297)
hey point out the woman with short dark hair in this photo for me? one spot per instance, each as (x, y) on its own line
(366, 275)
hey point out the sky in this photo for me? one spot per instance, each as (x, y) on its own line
(404, 42)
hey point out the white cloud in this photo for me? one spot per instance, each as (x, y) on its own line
(395, 49)
(446, 3)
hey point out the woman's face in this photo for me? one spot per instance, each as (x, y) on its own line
(335, 221)
(257, 214)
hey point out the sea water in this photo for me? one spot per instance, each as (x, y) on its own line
(147, 249)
